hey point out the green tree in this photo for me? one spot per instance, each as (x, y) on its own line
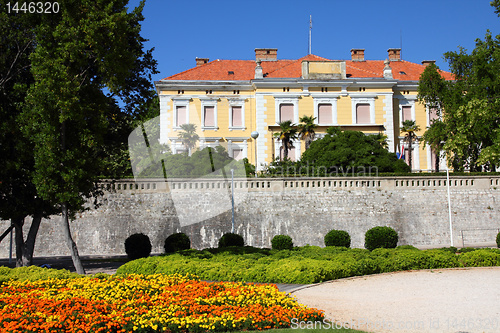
(307, 130)
(18, 196)
(349, 153)
(470, 104)
(287, 134)
(410, 127)
(435, 136)
(87, 47)
(188, 137)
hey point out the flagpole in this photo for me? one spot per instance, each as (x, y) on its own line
(310, 33)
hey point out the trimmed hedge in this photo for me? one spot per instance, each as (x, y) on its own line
(231, 239)
(177, 242)
(304, 265)
(138, 246)
(381, 237)
(34, 273)
(282, 242)
(338, 238)
(498, 240)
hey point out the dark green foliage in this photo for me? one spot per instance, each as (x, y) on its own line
(498, 240)
(231, 239)
(177, 242)
(347, 153)
(466, 249)
(338, 238)
(138, 246)
(381, 237)
(307, 264)
(282, 242)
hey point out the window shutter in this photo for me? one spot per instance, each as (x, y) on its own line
(362, 113)
(325, 114)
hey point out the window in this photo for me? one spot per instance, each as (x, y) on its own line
(286, 112)
(237, 153)
(363, 108)
(325, 114)
(209, 116)
(363, 113)
(432, 115)
(181, 115)
(236, 116)
(406, 112)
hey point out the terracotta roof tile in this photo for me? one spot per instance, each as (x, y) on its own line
(244, 70)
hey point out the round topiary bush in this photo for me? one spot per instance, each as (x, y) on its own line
(381, 237)
(282, 242)
(338, 238)
(498, 240)
(231, 239)
(137, 246)
(177, 242)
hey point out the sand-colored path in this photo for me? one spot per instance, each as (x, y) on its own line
(444, 300)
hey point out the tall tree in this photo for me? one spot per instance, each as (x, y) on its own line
(410, 127)
(470, 105)
(307, 129)
(86, 47)
(188, 136)
(287, 134)
(18, 196)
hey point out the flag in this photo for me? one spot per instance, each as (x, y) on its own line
(402, 154)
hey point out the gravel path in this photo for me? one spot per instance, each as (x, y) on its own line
(444, 300)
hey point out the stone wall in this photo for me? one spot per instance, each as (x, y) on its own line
(305, 209)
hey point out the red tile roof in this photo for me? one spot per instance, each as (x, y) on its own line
(244, 70)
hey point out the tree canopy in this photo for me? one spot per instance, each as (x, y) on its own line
(469, 106)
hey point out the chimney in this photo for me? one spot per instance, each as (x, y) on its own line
(258, 70)
(358, 54)
(266, 54)
(428, 62)
(201, 61)
(394, 54)
(387, 69)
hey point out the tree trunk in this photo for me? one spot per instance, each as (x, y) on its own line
(19, 239)
(436, 162)
(25, 249)
(69, 240)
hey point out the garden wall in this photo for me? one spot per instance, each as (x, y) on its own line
(305, 208)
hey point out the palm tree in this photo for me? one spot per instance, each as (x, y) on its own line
(410, 127)
(306, 129)
(286, 134)
(188, 136)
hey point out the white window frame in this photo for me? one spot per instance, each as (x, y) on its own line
(363, 99)
(204, 103)
(209, 142)
(237, 143)
(240, 103)
(406, 102)
(180, 102)
(428, 113)
(278, 100)
(296, 143)
(326, 100)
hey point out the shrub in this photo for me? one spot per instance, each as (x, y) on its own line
(231, 239)
(498, 240)
(137, 246)
(282, 242)
(338, 238)
(177, 242)
(381, 237)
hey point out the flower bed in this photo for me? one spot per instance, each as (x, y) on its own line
(152, 303)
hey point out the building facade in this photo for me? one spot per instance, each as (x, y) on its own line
(227, 100)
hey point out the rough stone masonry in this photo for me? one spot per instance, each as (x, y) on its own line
(305, 209)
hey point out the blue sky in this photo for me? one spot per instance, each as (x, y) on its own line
(180, 31)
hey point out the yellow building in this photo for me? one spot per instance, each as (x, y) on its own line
(227, 100)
